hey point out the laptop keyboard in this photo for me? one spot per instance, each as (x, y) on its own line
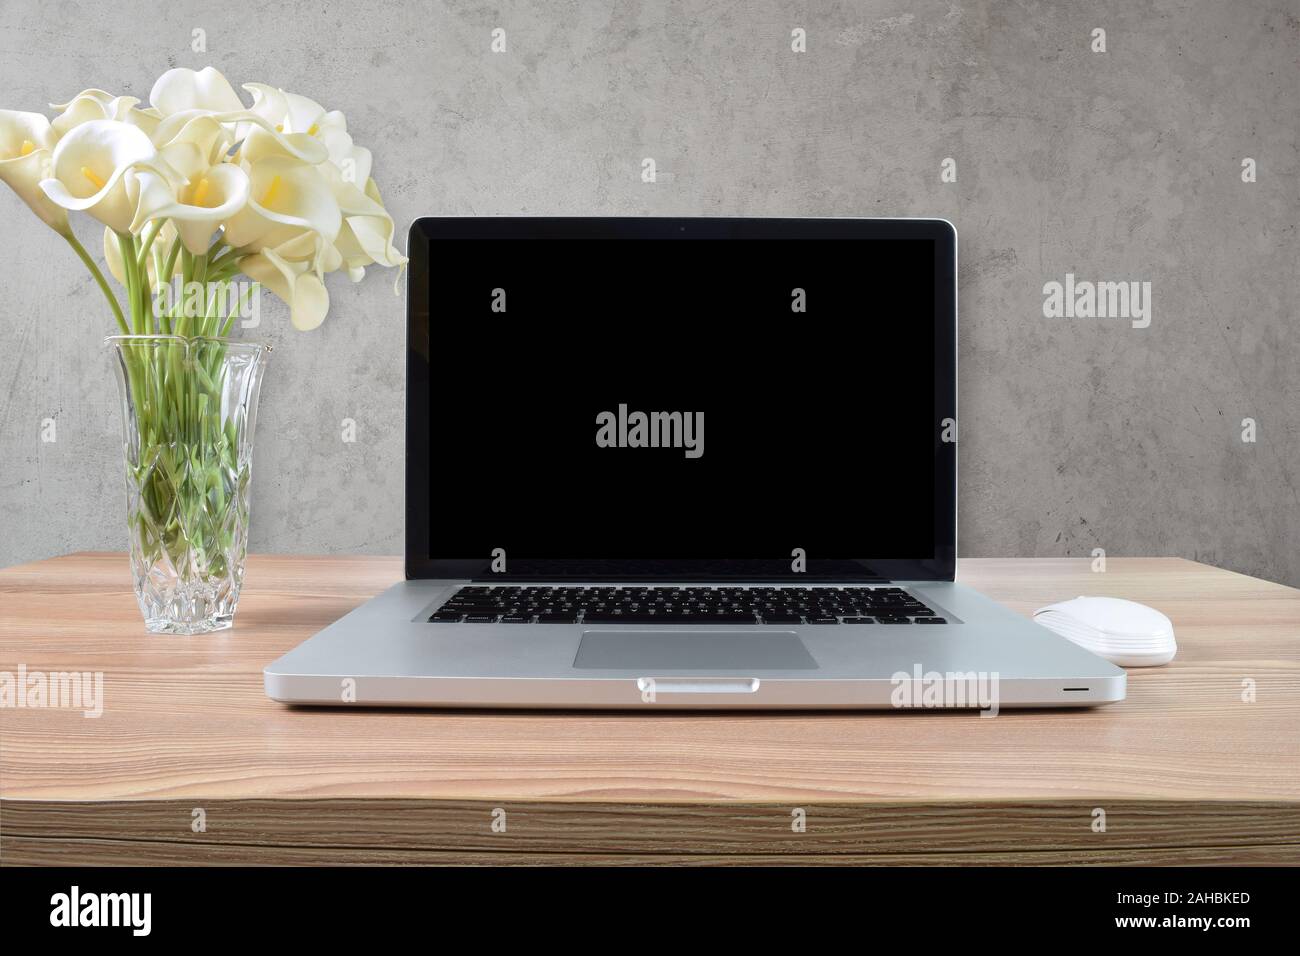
(682, 605)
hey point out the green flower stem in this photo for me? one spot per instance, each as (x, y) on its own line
(144, 289)
(187, 276)
(235, 310)
(146, 242)
(218, 249)
(81, 252)
(170, 265)
(160, 283)
(126, 245)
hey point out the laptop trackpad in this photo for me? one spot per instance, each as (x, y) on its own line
(657, 651)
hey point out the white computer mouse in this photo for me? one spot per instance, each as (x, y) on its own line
(1123, 632)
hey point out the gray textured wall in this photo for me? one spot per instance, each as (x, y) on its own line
(1119, 165)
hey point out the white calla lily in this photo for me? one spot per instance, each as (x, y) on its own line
(375, 231)
(268, 103)
(352, 161)
(284, 192)
(293, 282)
(25, 156)
(367, 234)
(183, 89)
(302, 245)
(89, 168)
(301, 114)
(262, 141)
(96, 104)
(265, 130)
(91, 105)
(210, 199)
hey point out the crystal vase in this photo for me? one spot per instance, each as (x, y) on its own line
(189, 406)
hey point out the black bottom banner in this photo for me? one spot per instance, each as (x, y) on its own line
(655, 906)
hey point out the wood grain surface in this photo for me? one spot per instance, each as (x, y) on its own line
(1185, 769)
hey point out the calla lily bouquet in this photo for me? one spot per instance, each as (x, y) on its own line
(197, 189)
(200, 185)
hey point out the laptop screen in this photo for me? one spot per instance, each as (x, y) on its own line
(746, 408)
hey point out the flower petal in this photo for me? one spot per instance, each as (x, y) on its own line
(294, 283)
(92, 105)
(368, 229)
(262, 141)
(184, 89)
(198, 128)
(268, 103)
(302, 113)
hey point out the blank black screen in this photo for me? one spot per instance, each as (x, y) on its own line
(818, 425)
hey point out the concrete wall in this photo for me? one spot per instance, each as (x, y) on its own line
(1122, 165)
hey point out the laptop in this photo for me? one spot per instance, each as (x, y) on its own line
(659, 463)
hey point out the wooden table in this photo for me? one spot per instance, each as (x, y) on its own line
(190, 763)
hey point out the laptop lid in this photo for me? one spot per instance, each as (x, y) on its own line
(681, 399)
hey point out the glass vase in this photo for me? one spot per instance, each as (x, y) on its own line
(189, 406)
